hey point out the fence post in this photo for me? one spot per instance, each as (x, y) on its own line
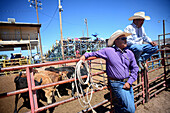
(34, 92)
(30, 89)
(138, 81)
(146, 84)
(143, 88)
(163, 63)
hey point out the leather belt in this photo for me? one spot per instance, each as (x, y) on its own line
(115, 79)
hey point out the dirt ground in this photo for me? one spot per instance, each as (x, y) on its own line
(158, 104)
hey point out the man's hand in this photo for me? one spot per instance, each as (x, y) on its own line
(126, 86)
(83, 58)
(153, 43)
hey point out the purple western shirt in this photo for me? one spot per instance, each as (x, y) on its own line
(118, 63)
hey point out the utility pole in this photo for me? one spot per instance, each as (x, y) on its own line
(60, 9)
(164, 32)
(83, 32)
(39, 32)
(36, 6)
(85, 20)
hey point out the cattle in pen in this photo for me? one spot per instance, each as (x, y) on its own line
(49, 77)
(70, 72)
(21, 83)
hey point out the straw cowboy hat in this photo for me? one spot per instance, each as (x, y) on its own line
(115, 35)
(140, 15)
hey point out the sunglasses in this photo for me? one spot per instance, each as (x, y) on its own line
(123, 38)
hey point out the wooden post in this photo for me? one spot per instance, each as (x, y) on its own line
(86, 26)
(39, 32)
(146, 85)
(138, 81)
(163, 63)
(164, 32)
(30, 48)
(20, 33)
(62, 50)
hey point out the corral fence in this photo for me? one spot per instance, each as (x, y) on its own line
(144, 88)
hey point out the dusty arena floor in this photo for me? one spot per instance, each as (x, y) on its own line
(158, 104)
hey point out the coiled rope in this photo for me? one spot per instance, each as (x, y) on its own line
(84, 102)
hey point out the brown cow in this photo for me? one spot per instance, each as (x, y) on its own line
(47, 78)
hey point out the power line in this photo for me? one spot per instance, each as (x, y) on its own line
(51, 19)
(23, 11)
(47, 15)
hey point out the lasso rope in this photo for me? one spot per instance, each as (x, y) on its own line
(89, 82)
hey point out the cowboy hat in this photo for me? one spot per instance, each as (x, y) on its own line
(139, 15)
(115, 35)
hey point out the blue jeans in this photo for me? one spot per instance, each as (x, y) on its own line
(123, 100)
(142, 52)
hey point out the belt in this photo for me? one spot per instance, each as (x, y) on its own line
(115, 79)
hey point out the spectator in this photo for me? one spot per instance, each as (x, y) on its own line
(78, 54)
(37, 59)
(12, 56)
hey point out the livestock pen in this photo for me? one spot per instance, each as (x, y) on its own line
(144, 87)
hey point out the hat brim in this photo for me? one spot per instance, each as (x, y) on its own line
(113, 38)
(139, 17)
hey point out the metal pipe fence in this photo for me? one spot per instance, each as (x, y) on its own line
(142, 89)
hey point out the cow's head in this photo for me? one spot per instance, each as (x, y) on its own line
(49, 94)
(20, 82)
(63, 75)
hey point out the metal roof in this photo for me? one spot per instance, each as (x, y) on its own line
(84, 38)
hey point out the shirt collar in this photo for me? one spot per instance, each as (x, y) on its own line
(134, 25)
(118, 49)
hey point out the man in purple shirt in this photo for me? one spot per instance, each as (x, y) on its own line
(120, 65)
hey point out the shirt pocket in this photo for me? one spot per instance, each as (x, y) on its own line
(127, 61)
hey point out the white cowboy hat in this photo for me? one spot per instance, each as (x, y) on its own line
(139, 15)
(115, 35)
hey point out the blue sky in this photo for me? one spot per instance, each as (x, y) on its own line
(103, 17)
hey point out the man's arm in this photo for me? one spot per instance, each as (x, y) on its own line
(133, 75)
(145, 37)
(130, 38)
(99, 54)
(133, 68)
(153, 43)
